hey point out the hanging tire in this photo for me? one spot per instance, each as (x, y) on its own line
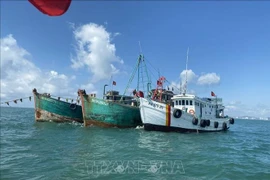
(215, 124)
(177, 113)
(224, 126)
(231, 121)
(72, 106)
(194, 121)
(207, 122)
(202, 123)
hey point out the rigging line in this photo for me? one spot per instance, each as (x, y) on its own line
(4, 102)
(172, 85)
(153, 74)
(152, 66)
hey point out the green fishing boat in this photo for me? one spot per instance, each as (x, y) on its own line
(52, 109)
(114, 110)
(111, 111)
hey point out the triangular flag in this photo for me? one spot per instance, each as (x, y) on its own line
(212, 93)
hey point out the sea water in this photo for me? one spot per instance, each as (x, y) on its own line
(48, 150)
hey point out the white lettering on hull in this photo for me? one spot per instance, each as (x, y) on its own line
(99, 102)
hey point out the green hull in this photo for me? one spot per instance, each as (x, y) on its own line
(109, 114)
(50, 109)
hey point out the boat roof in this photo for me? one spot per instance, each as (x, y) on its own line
(192, 96)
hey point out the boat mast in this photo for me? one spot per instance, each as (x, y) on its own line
(138, 82)
(185, 86)
(141, 68)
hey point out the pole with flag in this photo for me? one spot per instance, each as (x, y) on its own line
(213, 94)
(113, 84)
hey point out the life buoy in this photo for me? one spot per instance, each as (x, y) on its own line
(224, 126)
(215, 124)
(195, 121)
(191, 111)
(202, 123)
(72, 106)
(177, 113)
(231, 121)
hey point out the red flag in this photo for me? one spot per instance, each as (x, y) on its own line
(159, 83)
(114, 83)
(51, 7)
(212, 93)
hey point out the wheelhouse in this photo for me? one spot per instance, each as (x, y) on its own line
(200, 107)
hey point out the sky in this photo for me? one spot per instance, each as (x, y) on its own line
(97, 42)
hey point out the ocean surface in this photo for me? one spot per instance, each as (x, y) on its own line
(47, 150)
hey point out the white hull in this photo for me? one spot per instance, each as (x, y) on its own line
(159, 116)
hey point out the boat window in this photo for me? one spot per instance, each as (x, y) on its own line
(183, 102)
(186, 102)
(190, 103)
(176, 102)
(179, 102)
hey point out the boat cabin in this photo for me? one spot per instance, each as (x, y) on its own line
(203, 108)
(162, 95)
(114, 96)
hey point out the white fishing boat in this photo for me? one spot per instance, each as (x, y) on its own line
(186, 113)
(183, 112)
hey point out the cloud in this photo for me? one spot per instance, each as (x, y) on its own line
(19, 75)
(95, 51)
(235, 103)
(236, 108)
(208, 79)
(205, 79)
(116, 34)
(191, 76)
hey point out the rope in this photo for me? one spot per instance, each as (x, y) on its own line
(16, 100)
(45, 94)
(175, 87)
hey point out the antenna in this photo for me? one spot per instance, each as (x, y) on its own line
(185, 90)
(180, 87)
(140, 47)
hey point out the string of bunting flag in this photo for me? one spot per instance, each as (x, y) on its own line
(30, 98)
(67, 99)
(17, 100)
